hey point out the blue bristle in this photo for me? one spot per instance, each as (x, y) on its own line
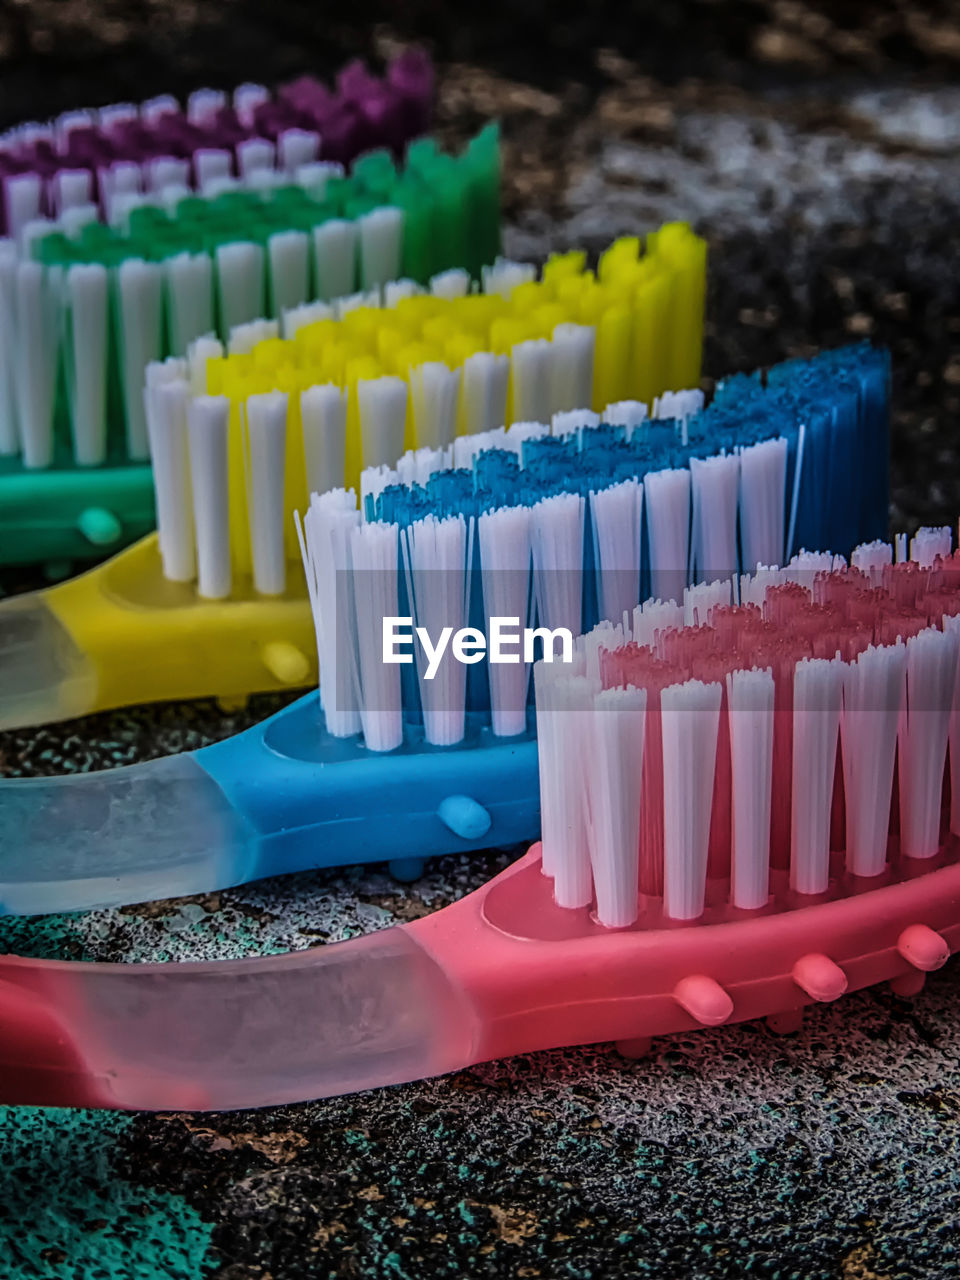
(841, 398)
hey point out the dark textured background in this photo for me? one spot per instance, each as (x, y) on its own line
(818, 147)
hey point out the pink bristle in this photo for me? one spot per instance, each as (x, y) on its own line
(833, 617)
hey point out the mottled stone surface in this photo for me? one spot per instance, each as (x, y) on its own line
(818, 147)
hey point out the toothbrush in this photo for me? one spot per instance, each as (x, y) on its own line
(303, 415)
(77, 166)
(451, 760)
(89, 310)
(697, 781)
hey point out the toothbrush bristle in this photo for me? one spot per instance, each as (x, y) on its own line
(795, 746)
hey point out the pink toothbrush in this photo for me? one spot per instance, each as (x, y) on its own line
(690, 779)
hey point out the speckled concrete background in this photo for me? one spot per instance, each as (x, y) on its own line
(818, 147)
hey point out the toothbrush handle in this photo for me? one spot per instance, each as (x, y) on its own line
(43, 675)
(158, 829)
(373, 1011)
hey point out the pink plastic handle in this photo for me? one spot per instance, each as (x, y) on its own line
(503, 971)
(375, 1010)
(542, 977)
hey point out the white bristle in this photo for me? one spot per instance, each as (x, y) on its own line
(72, 221)
(928, 543)
(951, 624)
(381, 246)
(263, 179)
(900, 548)
(436, 559)
(654, 616)
(374, 556)
(805, 565)
(616, 517)
(750, 697)
(680, 405)
(120, 179)
(254, 155)
(32, 233)
(140, 297)
(335, 258)
(614, 767)
(71, 188)
(689, 723)
(485, 381)
(297, 147)
(167, 171)
(244, 337)
(567, 422)
(922, 742)
(162, 105)
(625, 413)
(9, 435)
(505, 276)
(23, 194)
(86, 361)
(667, 497)
(517, 432)
(714, 484)
(198, 353)
(874, 687)
(212, 165)
(166, 410)
(466, 448)
(870, 558)
(171, 196)
(218, 186)
(395, 291)
(451, 284)
(564, 717)
(434, 391)
(556, 539)
(700, 600)
(325, 538)
(418, 465)
(323, 413)
(159, 372)
(505, 558)
(288, 256)
(763, 479)
(208, 419)
(266, 423)
(36, 363)
(817, 696)
(373, 481)
(754, 586)
(297, 318)
(315, 176)
(571, 369)
(189, 289)
(605, 635)
(68, 122)
(239, 283)
(355, 302)
(117, 113)
(382, 403)
(203, 105)
(532, 363)
(246, 99)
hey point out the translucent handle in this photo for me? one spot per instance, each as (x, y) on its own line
(43, 675)
(154, 830)
(355, 1015)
